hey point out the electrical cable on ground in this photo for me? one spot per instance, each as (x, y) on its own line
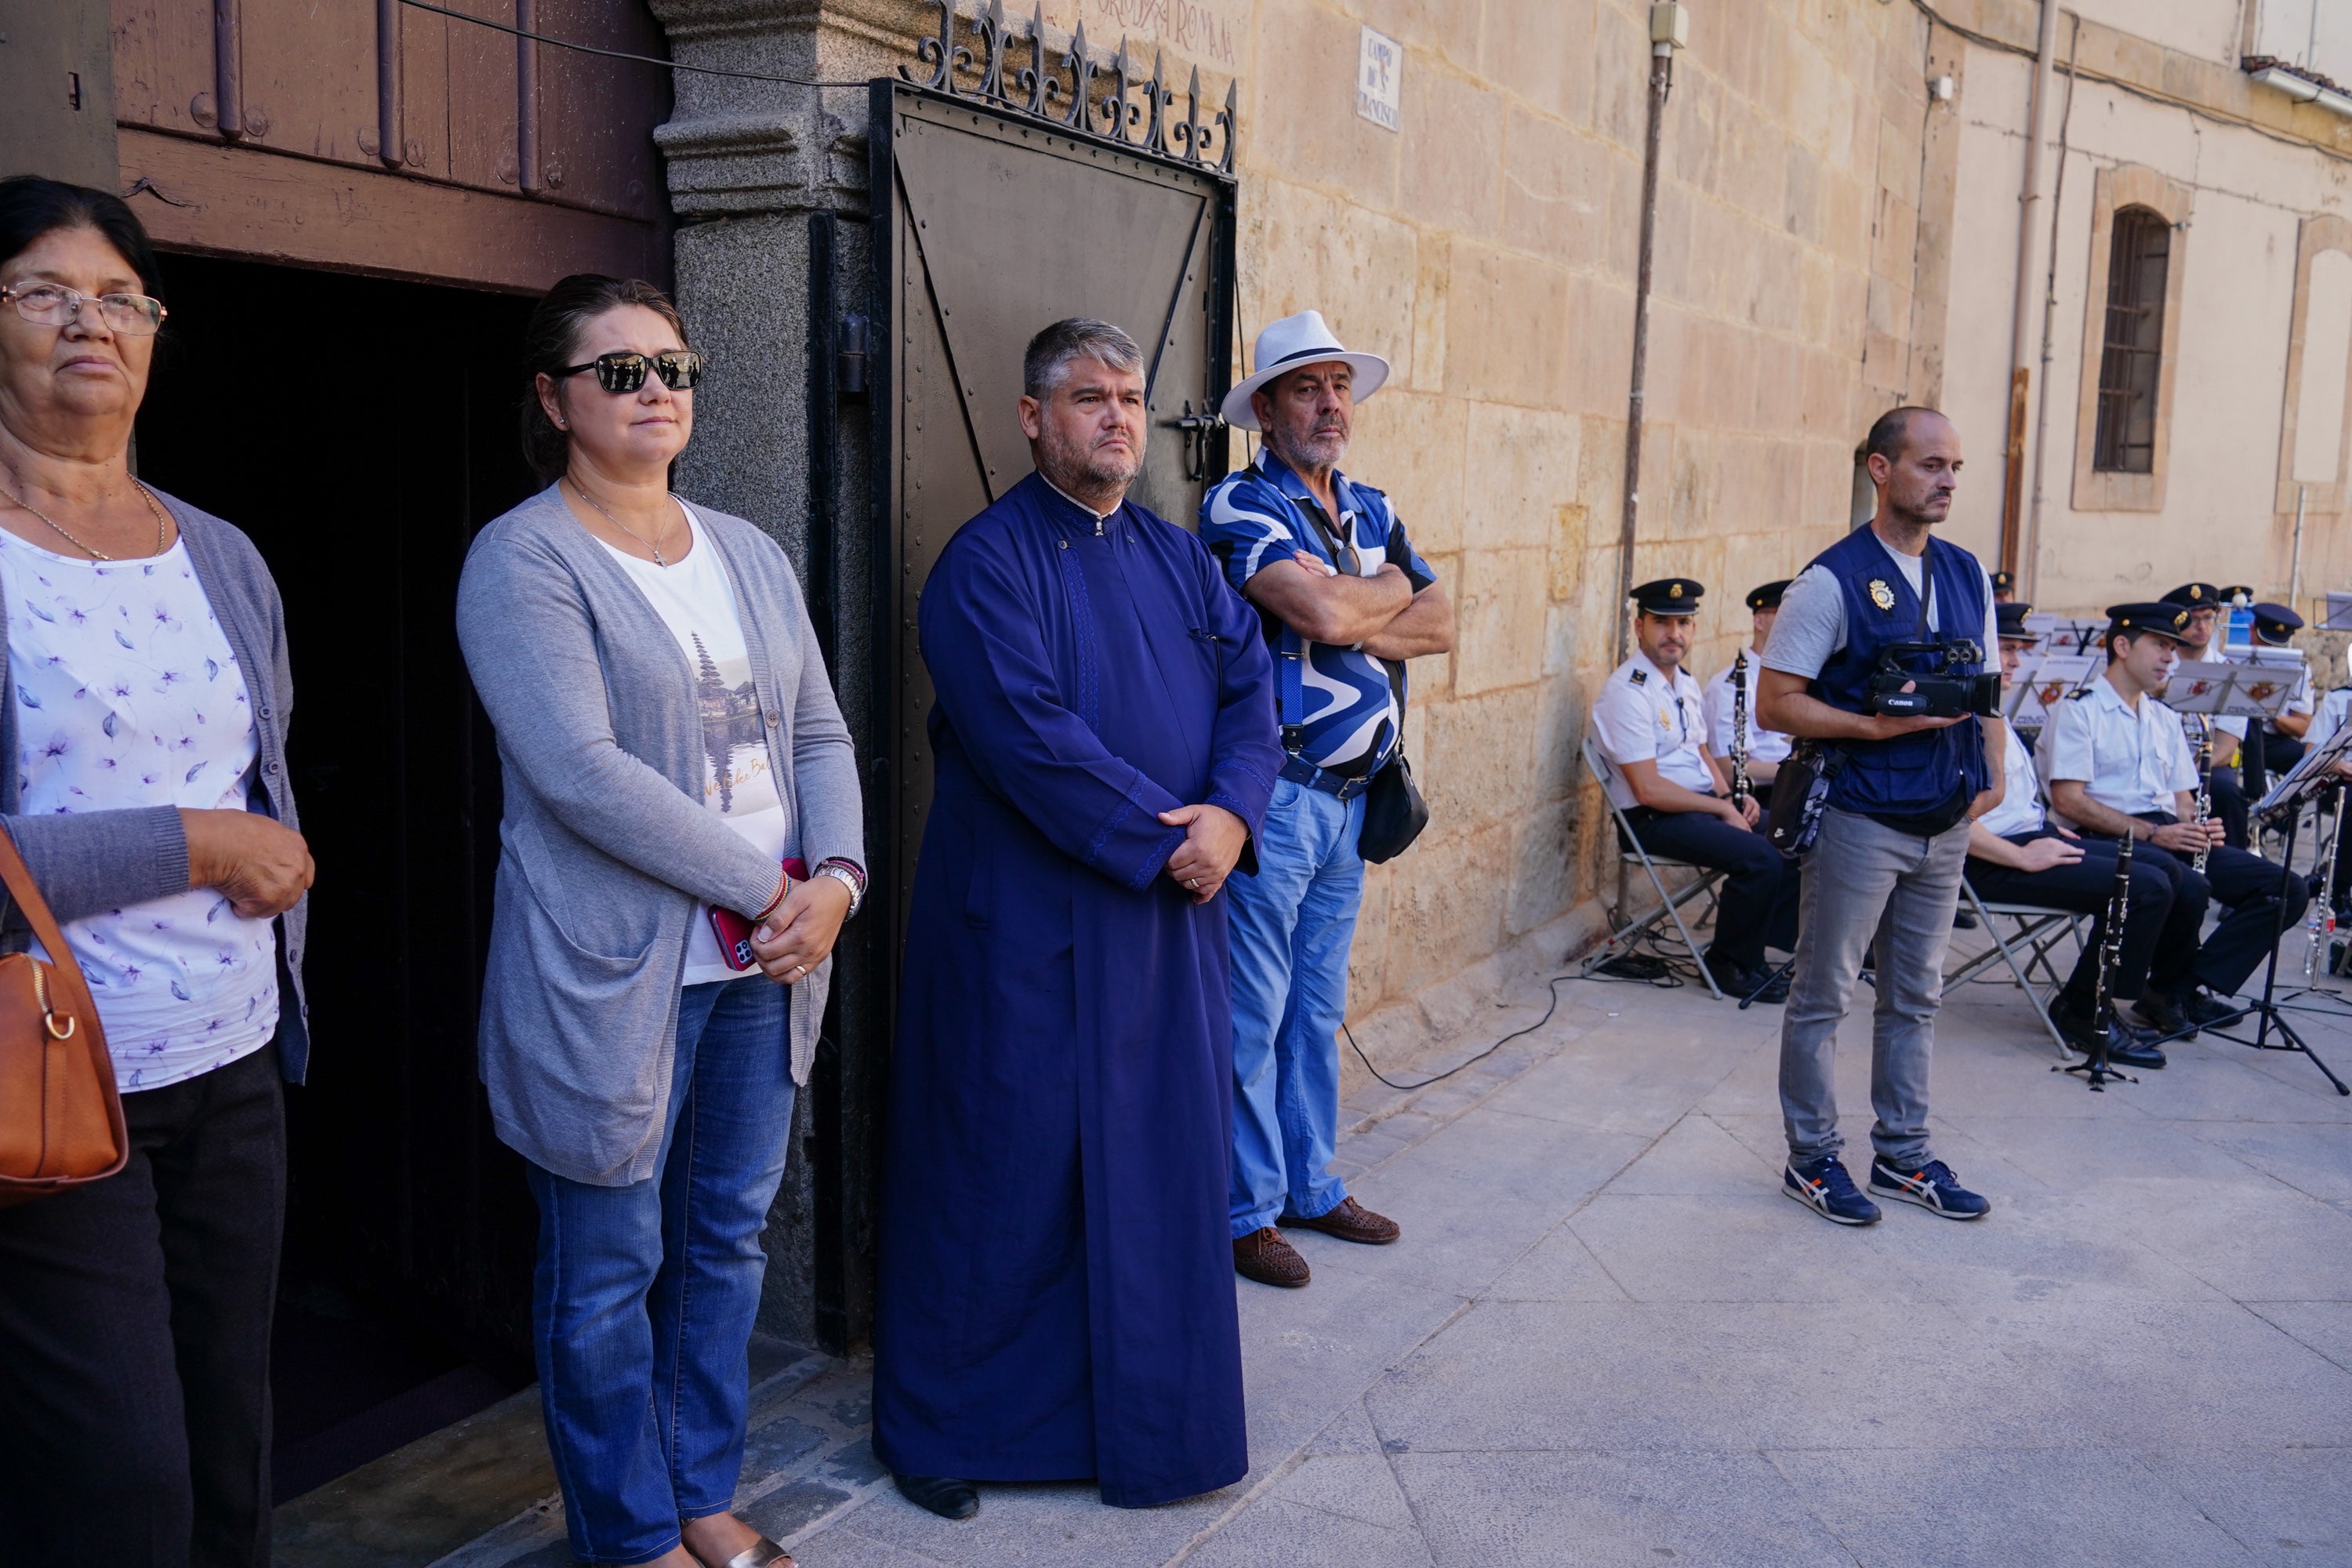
(1552, 985)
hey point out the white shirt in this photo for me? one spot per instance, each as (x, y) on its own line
(696, 599)
(2131, 761)
(1643, 716)
(1763, 746)
(128, 696)
(1810, 628)
(2020, 810)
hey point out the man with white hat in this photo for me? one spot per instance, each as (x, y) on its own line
(1344, 601)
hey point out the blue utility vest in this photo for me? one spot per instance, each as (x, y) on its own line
(1911, 775)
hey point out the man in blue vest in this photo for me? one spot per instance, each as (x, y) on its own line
(1344, 600)
(1903, 789)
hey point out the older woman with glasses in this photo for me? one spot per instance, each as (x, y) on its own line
(142, 776)
(682, 842)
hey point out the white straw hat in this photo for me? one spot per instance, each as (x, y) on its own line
(1289, 343)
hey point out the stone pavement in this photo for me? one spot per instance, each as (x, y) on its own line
(1606, 1339)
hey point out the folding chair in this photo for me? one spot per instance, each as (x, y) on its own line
(2038, 929)
(1622, 939)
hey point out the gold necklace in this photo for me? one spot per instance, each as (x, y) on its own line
(163, 528)
(652, 545)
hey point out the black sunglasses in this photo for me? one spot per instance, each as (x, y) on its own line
(624, 371)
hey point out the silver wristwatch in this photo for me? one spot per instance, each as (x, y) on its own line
(848, 879)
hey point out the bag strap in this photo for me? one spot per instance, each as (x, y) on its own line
(18, 878)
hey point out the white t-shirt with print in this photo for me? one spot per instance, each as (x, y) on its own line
(128, 696)
(696, 599)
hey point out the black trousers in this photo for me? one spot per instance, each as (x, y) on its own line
(134, 1339)
(1759, 889)
(2249, 888)
(2156, 923)
(2229, 801)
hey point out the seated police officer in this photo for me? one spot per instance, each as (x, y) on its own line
(2115, 762)
(2284, 739)
(2017, 857)
(1731, 698)
(1651, 723)
(2201, 642)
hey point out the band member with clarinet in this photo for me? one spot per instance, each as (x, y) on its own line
(1878, 658)
(2283, 739)
(2202, 641)
(2117, 762)
(1650, 721)
(2017, 857)
(1733, 732)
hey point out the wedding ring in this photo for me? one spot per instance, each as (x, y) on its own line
(1192, 882)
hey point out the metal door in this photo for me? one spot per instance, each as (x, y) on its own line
(989, 225)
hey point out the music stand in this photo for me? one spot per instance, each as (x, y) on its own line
(2314, 773)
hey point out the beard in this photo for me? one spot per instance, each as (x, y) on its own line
(1085, 464)
(1316, 447)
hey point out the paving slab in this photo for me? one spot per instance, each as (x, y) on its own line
(1605, 1338)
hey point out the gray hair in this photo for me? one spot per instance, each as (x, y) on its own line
(1046, 364)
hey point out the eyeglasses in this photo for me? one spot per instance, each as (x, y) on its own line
(623, 370)
(53, 305)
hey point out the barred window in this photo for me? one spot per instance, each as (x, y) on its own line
(2131, 359)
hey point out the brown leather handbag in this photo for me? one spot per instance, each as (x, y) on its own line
(60, 1118)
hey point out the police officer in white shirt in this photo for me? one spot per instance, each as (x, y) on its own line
(1651, 723)
(2116, 761)
(2016, 855)
(1767, 749)
(2200, 643)
(2284, 738)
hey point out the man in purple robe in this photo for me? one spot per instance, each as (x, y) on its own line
(1056, 1298)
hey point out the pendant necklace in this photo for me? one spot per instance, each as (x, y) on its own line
(659, 559)
(163, 528)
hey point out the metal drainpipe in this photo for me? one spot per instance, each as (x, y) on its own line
(2030, 546)
(2012, 508)
(1669, 31)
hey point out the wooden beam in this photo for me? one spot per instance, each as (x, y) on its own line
(247, 202)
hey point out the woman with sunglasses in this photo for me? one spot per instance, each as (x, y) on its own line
(681, 844)
(142, 776)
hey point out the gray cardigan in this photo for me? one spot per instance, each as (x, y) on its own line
(107, 859)
(606, 851)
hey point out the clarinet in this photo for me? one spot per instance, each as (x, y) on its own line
(2111, 954)
(1740, 790)
(2204, 784)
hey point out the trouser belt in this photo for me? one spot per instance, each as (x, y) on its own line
(1299, 771)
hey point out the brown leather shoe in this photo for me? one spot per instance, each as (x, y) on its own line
(1264, 1256)
(1350, 1221)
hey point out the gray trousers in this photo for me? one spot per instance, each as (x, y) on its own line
(1868, 886)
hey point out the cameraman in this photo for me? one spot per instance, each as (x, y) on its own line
(1902, 792)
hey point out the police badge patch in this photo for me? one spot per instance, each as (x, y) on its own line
(1640, 676)
(1881, 595)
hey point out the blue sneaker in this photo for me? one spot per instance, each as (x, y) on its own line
(1935, 1189)
(1823, 1186)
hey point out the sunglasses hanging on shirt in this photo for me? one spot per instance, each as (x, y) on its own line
(624, 371)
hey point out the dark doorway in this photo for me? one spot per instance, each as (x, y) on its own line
(360, 431)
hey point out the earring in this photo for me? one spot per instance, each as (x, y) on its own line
(560, 424)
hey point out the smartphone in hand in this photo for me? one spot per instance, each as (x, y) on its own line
(734, 930)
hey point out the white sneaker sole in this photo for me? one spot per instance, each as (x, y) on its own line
(1792, 1194)
(1904, 1194)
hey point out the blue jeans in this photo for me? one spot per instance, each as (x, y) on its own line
(643, 1302)
(1292, 924)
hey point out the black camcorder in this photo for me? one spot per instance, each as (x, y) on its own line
(1943, 693)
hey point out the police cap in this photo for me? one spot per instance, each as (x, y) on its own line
(1768, 598)
(2196, 596)
(1669, 597)
(2012, 622)
(2237, 591)
(2275, 624)
(2165, 617)
(2004, 581)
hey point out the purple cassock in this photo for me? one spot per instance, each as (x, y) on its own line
(1056, 1298)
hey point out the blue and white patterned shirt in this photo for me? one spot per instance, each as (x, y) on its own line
(1348, 710)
